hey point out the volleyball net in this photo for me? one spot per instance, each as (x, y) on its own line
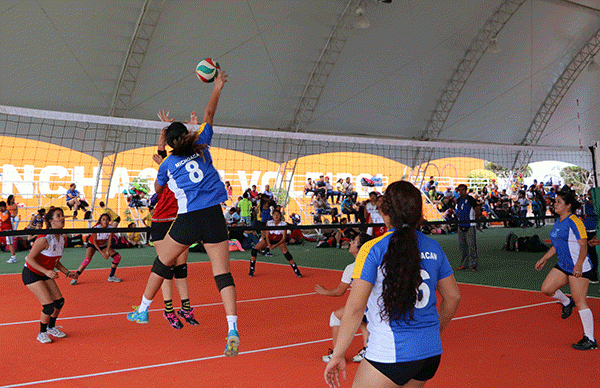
(110, 159)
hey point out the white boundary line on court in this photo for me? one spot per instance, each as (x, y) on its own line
(241, 353)
(198, 305)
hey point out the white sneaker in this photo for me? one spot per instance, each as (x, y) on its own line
(328, 356)
(359, 357)
(43, 338)
(73, 282)
(12, 260)
(114, 279)
(54, 332)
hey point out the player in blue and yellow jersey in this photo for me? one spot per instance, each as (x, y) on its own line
(569, 244)
(395, 280)
(197, 186)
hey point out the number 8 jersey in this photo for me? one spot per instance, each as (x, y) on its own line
(416, 339)
(193, 179)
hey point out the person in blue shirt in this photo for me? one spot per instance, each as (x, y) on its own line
(569, 244)
(199, 190)
(395, 280)
(467, 210)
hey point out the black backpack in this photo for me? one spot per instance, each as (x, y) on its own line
(511, 242)
(523, 243)
(535, 244)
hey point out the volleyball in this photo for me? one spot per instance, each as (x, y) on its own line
(207, 69)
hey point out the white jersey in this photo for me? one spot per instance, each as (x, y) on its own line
(375, 216)
(347, 275)
(102, 237)
(272, 223)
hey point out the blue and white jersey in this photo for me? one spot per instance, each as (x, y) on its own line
(564, 238)
(419, 338)
(465, 210)
(193, 179)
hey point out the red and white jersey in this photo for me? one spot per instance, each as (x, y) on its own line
(166, 207)
(102, 238)
(49, 257)
(276, 234)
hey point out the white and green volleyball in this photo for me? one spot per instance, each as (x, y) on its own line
(207, 69)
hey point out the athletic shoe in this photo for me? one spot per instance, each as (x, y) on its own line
(43, 338)
(251, 273)
(114, 279)
(12, 260)
(268, 254)
(73, 282)
(54, 332)
(359, 357)
(173, 320)
(327, 357)
(461, 267)
(233, 344)
(585, 344)
(568, 309)
(297, 272)
(188, 316)
(139, 317)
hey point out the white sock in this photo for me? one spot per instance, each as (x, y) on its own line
(587, 319)
(561, 297)
(232, 322)
(144, 304)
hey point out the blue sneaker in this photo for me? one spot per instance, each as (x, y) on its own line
(233, 343)
(139, 317)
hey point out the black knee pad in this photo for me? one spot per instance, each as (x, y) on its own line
(162, 270)
(48, 309)
(59, 303)
(254, 252)
(180, 271)
(224, 280)
(288, 256)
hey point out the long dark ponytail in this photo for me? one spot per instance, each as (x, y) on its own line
(401, 264)
(182, 141)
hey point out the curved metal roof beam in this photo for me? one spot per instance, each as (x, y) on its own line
(459, 78)
(557, 92)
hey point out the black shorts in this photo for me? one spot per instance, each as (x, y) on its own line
(30, 277)
(159, 230)
(102, 247)
(402, 372)
(587, 275)
(206, 225)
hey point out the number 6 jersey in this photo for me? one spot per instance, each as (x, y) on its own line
(193, 179)
(411, 340)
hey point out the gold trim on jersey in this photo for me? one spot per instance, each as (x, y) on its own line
(363, 253)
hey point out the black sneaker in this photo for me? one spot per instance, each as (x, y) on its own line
(251, 273)
(188, 316)
(585, 344)
(568, 309)
(297, 272)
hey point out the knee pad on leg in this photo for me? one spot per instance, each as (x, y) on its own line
(86, 262)
(59, 303)
(224, 280)
(288, 256)
(333, 320)
(48, 309)
(180, 271)
(116, 258)
(253, 252)
(162, 270)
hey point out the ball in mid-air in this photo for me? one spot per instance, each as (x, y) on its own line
(207, 69)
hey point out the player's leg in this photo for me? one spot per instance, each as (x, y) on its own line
(59, 302)
(289, 258)
(35, 283)
(89, 253)
(180, 272)
(10, 244)
(555, 280)
(116, 259)
(365, 336)
(579, 289)
(253, 253)
(334, 321)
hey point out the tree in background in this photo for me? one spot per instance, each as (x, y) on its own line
(579, 177)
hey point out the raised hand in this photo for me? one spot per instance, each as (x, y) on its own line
(165, 116)
(193, 119)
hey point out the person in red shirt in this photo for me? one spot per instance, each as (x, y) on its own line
(39, 275)
(5, 225)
